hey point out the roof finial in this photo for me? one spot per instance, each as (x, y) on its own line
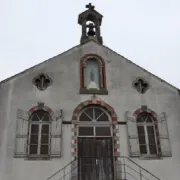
(90, 6)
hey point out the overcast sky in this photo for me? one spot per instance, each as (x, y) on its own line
(145, 31)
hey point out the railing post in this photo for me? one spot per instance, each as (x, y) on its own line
(140, 173)
(79, 170)
(124, 168)
(64, 174)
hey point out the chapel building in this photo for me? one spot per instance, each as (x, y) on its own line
(89, 114)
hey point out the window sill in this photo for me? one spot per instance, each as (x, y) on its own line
(37, 157)
(101, 91)
(150, 157)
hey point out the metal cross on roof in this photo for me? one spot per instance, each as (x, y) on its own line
(90, 6)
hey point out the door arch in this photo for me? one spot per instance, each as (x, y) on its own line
(113, 124)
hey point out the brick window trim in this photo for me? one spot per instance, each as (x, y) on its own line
(103, 88)
(145, 109)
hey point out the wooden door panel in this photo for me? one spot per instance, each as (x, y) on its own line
(95, 158)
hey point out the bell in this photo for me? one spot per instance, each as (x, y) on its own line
(91, 31)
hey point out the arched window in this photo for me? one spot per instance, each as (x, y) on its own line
(147, 134)
(39, 133)
(92, 71)
(94, 121)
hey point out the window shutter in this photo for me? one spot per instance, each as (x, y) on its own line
(21, 133)
(132, 135)
(56, 130)
(163, 135)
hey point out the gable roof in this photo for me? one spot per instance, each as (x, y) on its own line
(77, 46)
(28, 69)
(162, 80)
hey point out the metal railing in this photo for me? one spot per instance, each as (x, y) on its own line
(87, 168)
(130, 170)
(66, 173)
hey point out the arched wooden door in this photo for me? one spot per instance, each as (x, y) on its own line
(95, 145)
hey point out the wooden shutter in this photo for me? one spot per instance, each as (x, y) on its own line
(132, 135)
(56, 130)
(163, 135)
(21, 133)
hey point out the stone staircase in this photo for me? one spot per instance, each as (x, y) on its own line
(122, 169)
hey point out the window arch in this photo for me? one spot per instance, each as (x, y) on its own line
(39, 133)
(94, 121)
(92, 75)
(147, 134)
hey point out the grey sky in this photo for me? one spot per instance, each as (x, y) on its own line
(145, 31)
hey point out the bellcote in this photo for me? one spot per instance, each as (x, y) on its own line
(90, 20)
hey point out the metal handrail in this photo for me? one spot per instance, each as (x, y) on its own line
(141, 167)
(57, 172)
(122, 166)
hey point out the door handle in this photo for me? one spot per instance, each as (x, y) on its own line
(96, 161)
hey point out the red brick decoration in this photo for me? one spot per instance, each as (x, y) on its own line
(45, 108)
(102, 69)
(147, 110)
(75, 126)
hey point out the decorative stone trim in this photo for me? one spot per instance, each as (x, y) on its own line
(101, 91)
(141, 85)
(95, 101)
(42, 81)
